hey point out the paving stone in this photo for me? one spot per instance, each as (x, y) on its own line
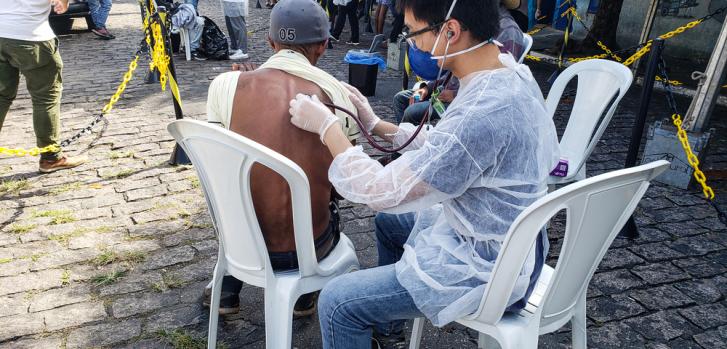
(13, 305)
(142, 303)
(616, 281)
(647, 235)
(609, 308)
(659, 273)
(31, 281)
(21, 325)
(59, 297)
(40, 342)
(714, 339)
(656, 252)
(358, 226)
(208, 247)
(73, 315)
(181, 316)
(696, 245)
(145, 193)
(103, 335)
(123, 187)
(660, 326)
(619, 258)
(200, 270)
(615, 336)
(169, 257)
(707, 315)
(701, 291)
(661, 297)
(132, 283)
(194, 234)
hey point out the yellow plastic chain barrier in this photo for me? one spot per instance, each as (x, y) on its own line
(668, 35)
(692, 158)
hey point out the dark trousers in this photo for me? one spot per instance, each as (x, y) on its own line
(348, 11)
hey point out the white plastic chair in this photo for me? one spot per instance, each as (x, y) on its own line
(599, 81)
(527, 45)
(596, 208)
(223, 160)
(184, 36)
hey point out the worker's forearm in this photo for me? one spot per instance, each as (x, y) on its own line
(336, 141)
(385, 130)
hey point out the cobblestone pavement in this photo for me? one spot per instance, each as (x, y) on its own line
(116, 253)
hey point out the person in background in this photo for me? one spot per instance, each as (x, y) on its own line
(381, 9)
(346, 9)
(99, 10)
(192, 2)
(519, 11)
(29, 47)
(235, 12)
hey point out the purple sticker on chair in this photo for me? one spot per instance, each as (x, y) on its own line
(561, 170)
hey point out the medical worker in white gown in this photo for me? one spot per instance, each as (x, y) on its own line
(454, 191)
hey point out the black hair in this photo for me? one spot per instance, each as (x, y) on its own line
(480, 17)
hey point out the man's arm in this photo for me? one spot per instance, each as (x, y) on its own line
(59, 6)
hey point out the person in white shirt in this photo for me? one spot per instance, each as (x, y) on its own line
(29, 46)
(235, 12)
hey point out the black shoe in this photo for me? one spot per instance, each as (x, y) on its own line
(198, 56)
(392, 341)
(334, 39)
(306, 305)
(229, 302)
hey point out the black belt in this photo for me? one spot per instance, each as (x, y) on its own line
(282, 261)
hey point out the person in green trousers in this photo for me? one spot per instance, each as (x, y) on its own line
(29, 47)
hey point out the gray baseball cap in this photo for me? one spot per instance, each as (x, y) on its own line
(298, 22)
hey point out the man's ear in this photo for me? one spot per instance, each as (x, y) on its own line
(271, 42)
(321, 49)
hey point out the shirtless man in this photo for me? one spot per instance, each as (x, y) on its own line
(255, 105)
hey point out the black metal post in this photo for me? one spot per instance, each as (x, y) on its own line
(630, 230)
(179, 157)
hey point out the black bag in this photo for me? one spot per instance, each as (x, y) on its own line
(213, 43)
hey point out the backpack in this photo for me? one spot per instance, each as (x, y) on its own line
(214, 42)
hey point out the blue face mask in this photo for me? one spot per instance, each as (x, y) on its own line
(422, 64)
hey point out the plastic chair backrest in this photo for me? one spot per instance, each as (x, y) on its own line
(223, 160)
(596, 208)
(599, 81)
(527, 45)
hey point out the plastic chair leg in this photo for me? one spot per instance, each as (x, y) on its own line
(578, 324)
(416, 333)
(217, 277)
(187, 43)
(485, 341)
(278, 319)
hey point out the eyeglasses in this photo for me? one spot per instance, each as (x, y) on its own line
(408, 36)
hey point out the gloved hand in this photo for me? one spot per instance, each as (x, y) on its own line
(365, 112)
(308, 113)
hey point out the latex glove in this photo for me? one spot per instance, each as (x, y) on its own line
(365, 112)
(309, 114)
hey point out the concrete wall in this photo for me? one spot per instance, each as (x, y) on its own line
(695, 44)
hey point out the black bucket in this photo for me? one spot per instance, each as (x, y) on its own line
(363, 77)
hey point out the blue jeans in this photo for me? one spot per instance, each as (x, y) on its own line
(351, 305)
(99, 10)
(193, 2)
(413, 113)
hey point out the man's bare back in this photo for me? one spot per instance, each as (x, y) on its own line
(260, 112)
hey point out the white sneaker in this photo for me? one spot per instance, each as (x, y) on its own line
(239, 55)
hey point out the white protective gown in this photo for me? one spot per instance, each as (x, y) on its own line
(468, 179)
